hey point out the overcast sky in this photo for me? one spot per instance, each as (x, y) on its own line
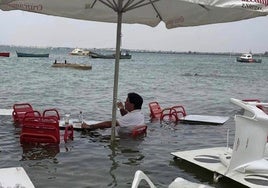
(29, 29)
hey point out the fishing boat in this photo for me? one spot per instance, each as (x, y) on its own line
(71, 65)
(247, 58)
(246, 161)
(4, 54)
(80, 52)
(125, 55)
(21, 54)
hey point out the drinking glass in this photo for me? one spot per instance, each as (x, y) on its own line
(118, 101)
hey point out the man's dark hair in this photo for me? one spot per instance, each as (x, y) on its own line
(135, 99)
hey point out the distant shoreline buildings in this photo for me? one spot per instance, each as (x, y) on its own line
(9, 48)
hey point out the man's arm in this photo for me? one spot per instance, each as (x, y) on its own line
(101, 125)
(123, 111)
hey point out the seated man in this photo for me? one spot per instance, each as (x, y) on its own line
(131, 115)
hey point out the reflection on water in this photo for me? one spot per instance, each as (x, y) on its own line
(203, 175)
(130, 151)
(196, 171)
(123, 151)
(40, 151)
(114, 164)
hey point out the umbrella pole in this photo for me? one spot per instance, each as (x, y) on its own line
(116, 69)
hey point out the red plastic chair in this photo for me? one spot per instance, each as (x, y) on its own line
(43, 129)
(19, 111)
(40, 130)
(139, 130)
(155, 110)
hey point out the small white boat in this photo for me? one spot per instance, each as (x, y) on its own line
(247, 58)
(246, 162)
(79, 51)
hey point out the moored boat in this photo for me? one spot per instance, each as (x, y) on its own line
(110, 56)
(72, 65)
(247, 58)
(4, 54)
(102, 56)
(80, 52)
(21, 54)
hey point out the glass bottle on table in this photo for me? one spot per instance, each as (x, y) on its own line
(81, 117)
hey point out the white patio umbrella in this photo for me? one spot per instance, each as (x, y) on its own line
(174, 13)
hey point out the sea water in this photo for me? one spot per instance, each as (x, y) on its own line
(203, 84)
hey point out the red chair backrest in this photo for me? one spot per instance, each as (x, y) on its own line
(179, 110)
(40, 130)
(174, 114)
(139, 130)
(33, 115)
(19, 111)
(169, 114)
(155, 110)
(51, 113)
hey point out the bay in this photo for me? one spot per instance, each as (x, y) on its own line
(203, 84)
